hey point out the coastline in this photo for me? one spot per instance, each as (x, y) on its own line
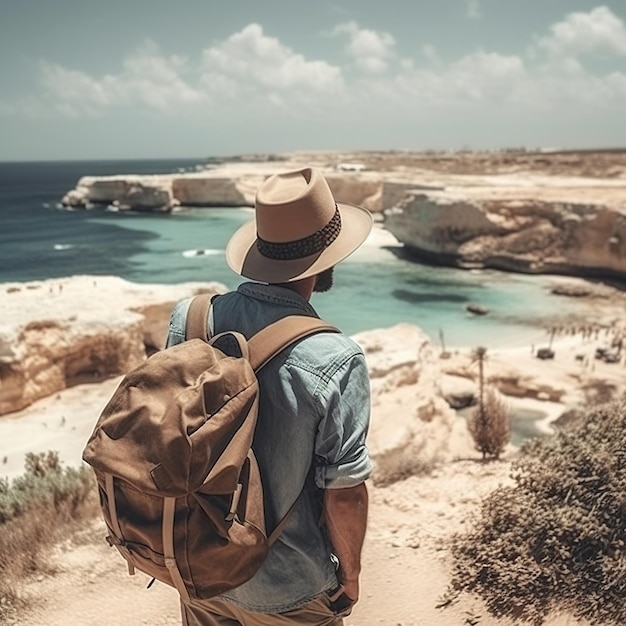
(63, 419)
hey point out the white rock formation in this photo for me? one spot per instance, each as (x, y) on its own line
(413, 427)
(152, 193)
(228, 185)
(203, 190)
(57, 333)
(84, 329)
(514, 232)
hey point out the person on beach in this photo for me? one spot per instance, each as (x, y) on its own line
(314, 409)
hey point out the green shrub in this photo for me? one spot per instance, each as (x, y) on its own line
(44, 482)
(556, 540)
(36, 510)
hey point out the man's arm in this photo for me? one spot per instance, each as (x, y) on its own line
(346, 519)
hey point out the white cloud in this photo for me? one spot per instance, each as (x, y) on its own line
(251, 62)
(253, 76)
(487, 78)
(599, 31)
(147, 78)
(473, 9)
(370, 49)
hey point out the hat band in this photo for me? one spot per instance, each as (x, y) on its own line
(301, 248)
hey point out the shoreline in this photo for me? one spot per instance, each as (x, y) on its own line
(381, 246)
(64, 420)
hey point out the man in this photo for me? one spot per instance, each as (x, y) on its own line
(313, 412)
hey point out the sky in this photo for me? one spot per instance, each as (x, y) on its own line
(81, 79)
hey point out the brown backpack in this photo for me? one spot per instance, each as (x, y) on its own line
(179, 484)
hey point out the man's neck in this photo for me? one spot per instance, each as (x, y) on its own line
(304, 287)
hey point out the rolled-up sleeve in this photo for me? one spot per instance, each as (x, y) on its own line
(342, 458)
(178, 319)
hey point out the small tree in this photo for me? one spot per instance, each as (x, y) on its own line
(489, 425)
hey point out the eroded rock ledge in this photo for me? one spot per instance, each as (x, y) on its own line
(564, 231)
(231, 185)
(58, 333)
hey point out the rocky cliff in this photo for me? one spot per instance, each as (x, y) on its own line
(526, 231)
(231, 185)
(57, 333)
(413, 427)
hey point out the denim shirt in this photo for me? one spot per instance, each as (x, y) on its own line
(314, 411)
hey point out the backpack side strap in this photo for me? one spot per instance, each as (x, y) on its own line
(269, 341)
(197, 316)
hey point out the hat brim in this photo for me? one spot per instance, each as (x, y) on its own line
(244, 258)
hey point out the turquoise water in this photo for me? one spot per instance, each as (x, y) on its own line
(376, 287)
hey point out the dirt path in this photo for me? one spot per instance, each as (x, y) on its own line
(404, 568)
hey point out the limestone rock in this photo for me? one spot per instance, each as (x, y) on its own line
(412, 426)
(58, 333)
(76, 198)
(202, 190)
(521, 234)
(458, 391)
(233, 184)
(152, 193)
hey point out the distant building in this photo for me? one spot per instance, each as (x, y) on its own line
(350, 167)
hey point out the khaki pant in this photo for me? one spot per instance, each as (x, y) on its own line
(317, 612)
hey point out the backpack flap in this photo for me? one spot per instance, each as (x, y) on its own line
(169, 421)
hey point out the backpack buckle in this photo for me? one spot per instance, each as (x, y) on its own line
(234, 503)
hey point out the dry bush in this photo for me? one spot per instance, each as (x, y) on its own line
(43, 505)
(490, 426)
(556, 540)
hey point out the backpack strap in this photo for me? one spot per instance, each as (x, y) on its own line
(266, 344)
(197, 316)
(274, 338)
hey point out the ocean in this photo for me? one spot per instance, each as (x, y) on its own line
(376, 287)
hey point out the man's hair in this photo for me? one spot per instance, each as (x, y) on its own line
(324, 280)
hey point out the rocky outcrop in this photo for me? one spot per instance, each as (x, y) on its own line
(232, 185)
(140, 193)
(200, 190)
(519, 233)
(413, 427)
(57, 333)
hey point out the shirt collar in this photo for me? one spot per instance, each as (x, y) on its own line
(276, 295)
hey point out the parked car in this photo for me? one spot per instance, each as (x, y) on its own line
(611, 357)
(545, 353)
(601, 352)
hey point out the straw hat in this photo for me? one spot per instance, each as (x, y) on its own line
(299, 230)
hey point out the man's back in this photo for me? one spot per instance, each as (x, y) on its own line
(310, 436)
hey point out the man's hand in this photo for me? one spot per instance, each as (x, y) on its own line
(351, 589)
